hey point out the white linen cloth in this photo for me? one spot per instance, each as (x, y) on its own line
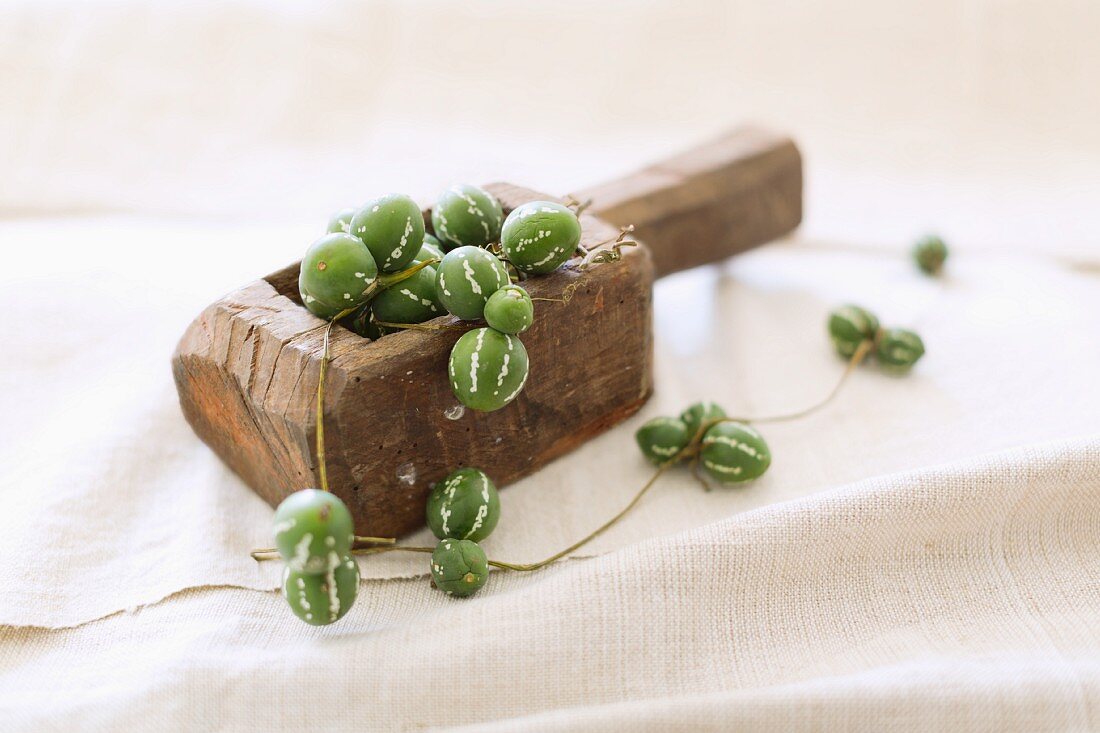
(923, 554)
(963, 597)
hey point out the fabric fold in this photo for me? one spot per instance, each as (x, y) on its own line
(959, 597)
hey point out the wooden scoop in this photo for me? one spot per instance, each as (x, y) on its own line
(247, 367)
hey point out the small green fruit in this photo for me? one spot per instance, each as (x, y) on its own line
(463, 506)
(510, 310)
(487, 369)
(413, 300)
(315, 306)
(466, 278)
(311, 525)
(733, 452)
(849, 326)
(466, 215)
(459, 567)
(431, 249)
(323, 599)
(539, 236)
(698, 414)
(392, 227)
(340, 222)
(930, 252)
(898, 349)
(662, 438)
(336, 269)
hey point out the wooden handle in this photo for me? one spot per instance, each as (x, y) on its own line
(718, 199)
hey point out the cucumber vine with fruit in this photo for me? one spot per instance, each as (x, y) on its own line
(377, 271)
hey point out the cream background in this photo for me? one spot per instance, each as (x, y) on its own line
(155, 156)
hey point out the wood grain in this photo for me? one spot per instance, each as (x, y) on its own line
(246, 369)
(734, 193)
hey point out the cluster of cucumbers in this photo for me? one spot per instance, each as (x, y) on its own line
(314, 535)
(463, 509)
(380, 270)
(730, 451)
(852, 326)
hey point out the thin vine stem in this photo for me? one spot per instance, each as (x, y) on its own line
(388, 545)
(528, 567)
(858, 356)
(567, 292)
(694, 445)
(593, 257)
(271, 553)
(379, 284)
(322, 464)
(421, 549)
(424, 326)
(578, 207)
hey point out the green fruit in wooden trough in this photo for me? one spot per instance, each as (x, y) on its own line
(323, 599)
(849, 326)
(733, 452)
(510, 310)
(466, 278)
(459, 567)
(539, 236)
(898, 349)
(463, 506)
(467, 216)
(311, 525)
(487, 369)
(340, 222)
(336, 269)
(413, 300)
(315, 306)
(662, 438)
(930, 252)
(699, 413)
(431, 249)
(392, 227)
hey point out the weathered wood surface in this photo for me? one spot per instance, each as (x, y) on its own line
(718, 199)
(247, 367)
